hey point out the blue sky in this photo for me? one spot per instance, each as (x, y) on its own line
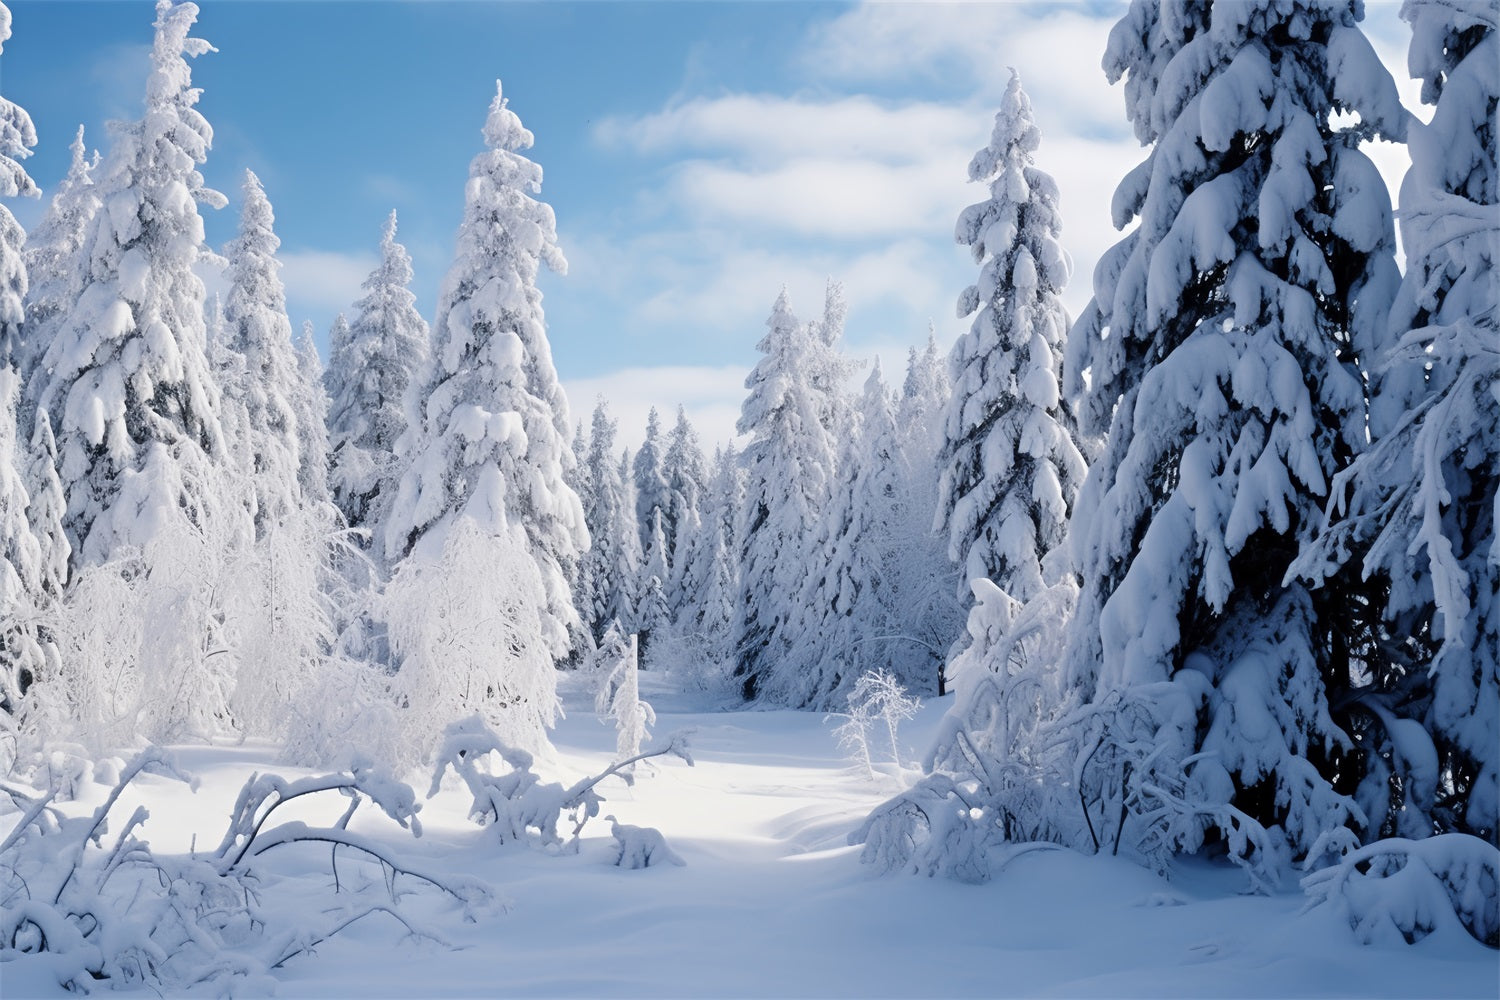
(698, 155)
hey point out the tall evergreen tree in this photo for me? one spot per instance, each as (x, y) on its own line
(1415, 514)
(20, 554)
(1010, 468)
(52, 265)
(487, 439)
(651, 490)
(789, 464)
(845, 607)
(259, 333)
(310, 406)
(607, 571)
(927, 615)
(684, 471)
(1217, 353)
(372, 363)
(125, 377)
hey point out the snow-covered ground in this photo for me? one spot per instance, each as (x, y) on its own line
(771, 902)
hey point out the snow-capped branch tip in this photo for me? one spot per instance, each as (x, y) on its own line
(503, 128)
(388, 234)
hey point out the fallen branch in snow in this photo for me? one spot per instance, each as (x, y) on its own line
(516, 801)
(126, 916)
(1398, 890)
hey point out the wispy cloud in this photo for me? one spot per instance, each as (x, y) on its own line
(321, 281)
(710, 396)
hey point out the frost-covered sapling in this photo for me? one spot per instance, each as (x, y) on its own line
(620, 695)
(878, 703)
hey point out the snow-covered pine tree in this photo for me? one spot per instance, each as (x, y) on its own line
(928, 615)
(607, 571)
(46, 509)
(1010, 467)
(1415, 514)
(310, 407)
(127, 383)
(683, 468)
(21, 658)
(1217, 352)
(652, 615)
(651, 490)
(789, 465)
(488, 434)
(52, 265)
(260, 334)
(20, 554)
(125, 377)
(844, 607)
(277, 620)
(708, 628)
(371, 365)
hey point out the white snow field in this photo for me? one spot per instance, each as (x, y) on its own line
(771, 902)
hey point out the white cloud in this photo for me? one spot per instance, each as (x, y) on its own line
(765, 128)
(323, 281)
(831, 199)
(840, 168)
(710, 395)
(970, 46)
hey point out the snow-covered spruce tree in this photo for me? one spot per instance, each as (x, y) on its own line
(844, 608)
(258, 331)
(1217, 354)
(127, 384)
(310, 407)
(1415, 514)
(46, 508)
(789, 465)
(52, 265)
(927, 613)
(372, 363)
(652, 614)
(31, 642)
(651, 490)
(488, 423)
(683, 469)
(125, 378)
(705, 626)
(1010, 467)
(20, 555)
(607, 571)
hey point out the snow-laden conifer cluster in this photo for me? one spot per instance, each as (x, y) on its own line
(1210, 571)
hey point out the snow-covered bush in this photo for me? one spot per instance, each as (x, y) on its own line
(1000, 768)
(515, 800)
(1403, 890)
(640, 846)
(119, 914)
(465, 625)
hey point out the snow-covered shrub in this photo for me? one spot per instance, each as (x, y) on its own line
(515, 800)
(465, 625)
(640, 846)
(116, 913)
(1403, 890)
(619, 694)
(1000, 769)
(877, 702)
